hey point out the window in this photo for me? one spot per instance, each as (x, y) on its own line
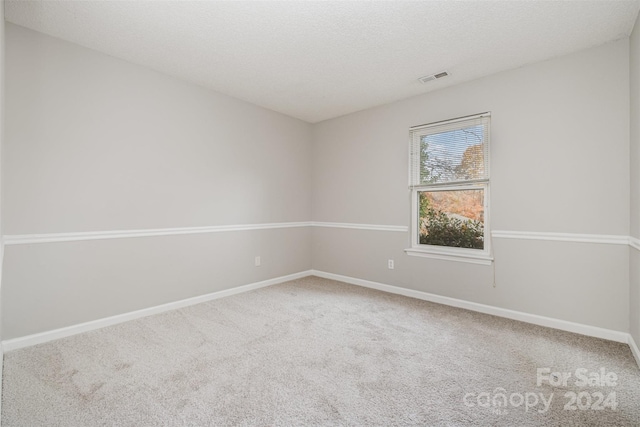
(449, 166)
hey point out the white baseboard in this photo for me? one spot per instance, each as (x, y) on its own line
(634, 349)
(593, 331)
(42, 337)
(549, 322)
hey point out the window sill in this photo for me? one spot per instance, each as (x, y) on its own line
(451, 255)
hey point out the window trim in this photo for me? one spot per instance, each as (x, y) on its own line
(474, 256)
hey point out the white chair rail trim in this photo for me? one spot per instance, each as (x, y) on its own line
(21, 239)
(612, 239)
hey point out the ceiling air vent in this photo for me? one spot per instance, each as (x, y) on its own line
(426, 79)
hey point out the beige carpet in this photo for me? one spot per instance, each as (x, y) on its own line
(318, 352)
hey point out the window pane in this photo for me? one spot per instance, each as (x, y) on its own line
(453, 218)
(454, 155)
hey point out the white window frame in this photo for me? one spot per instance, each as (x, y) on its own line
(474, 256)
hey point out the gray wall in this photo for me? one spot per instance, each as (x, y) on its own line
(2, 131)
(94, 143)
(559, 163)
(634, 258)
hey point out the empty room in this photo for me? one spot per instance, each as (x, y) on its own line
(310, 213)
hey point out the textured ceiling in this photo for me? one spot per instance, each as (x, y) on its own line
(318, 60)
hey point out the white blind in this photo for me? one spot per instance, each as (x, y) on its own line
(451, 152)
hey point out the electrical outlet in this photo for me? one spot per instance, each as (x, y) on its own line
(391, 265)
(258, 261)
